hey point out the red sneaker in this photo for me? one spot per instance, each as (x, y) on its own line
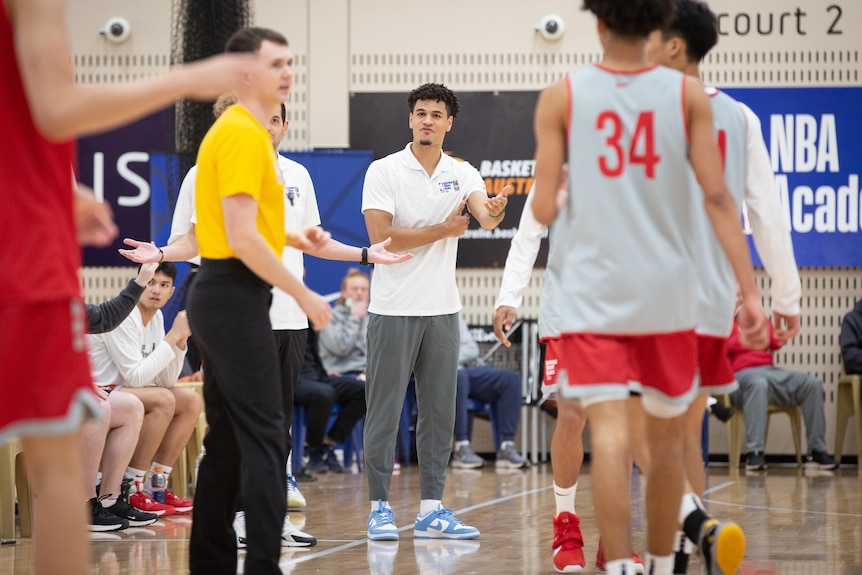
(600, 560)
(568, 543)
(182, 506)
(140, 500)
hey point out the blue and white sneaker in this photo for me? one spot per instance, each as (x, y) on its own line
(295, 499)
(442, 524)
(381, 524)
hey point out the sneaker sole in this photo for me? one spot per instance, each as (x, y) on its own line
(382, 536)
(510, 464)
(298, 543)
(105, 528)
(456, 536)
(467, 465)
(142, 523)
(729, 549)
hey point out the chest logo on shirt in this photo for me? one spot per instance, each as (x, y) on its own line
(446, 187)
(291, 193)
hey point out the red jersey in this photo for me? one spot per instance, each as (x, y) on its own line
(38, 245)
(742, 357)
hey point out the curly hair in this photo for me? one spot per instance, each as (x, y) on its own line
(695, 23)
(436, 93)
(635, 18)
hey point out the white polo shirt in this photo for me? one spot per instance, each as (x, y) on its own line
(399, 185)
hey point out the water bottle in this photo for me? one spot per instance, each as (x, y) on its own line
(160, 483)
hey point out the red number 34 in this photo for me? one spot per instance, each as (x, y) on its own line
(641, 150)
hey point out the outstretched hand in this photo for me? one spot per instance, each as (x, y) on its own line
(142, 252)
(378, 254)
(497, 205)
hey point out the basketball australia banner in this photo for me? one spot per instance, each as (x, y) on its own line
(812, 135)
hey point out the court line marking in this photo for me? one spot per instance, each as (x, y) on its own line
(364, 540)
(786, 509)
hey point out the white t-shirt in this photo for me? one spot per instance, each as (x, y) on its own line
(135, 354)
(300, 213)
(399, 185)
(285, 313)
(184, 210)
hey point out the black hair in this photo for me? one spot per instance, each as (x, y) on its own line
(636, 18)
(697, 25)
(248, 40)
(167, 268)
(436, 93)
(283, 113)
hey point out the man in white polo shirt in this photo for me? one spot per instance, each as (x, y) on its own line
(416, 197)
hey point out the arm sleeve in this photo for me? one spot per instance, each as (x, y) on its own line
(341, 335)
(182, 220)
(771, 236)
(851, 342)
(377, 191)
(124, 348)
(311, 217)
(108, 315)
(522, 255)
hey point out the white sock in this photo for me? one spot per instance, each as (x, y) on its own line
(662, 565)
(689, 503)
(565, 498)
(374, 505)
(426, 506)
(462, 443)
(504, 444)
(108, 501)
(137, 477)
(624, 566)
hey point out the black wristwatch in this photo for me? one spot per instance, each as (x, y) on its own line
(364, 260)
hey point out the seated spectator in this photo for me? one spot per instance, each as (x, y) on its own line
(140, 359)
(112, 439)
(343, 343)
(319, 392)
(761, 384)
(500, 387)
(851, 340)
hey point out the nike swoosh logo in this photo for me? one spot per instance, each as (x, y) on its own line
(437, 524)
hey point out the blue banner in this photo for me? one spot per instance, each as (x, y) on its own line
(815, 145)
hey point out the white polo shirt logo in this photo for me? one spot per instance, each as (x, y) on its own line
(446, 187)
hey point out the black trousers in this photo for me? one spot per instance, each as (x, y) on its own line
(291, 355)
(228, 311)
(319, 393)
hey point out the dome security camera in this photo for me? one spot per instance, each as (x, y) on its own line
(551, 27)
(117, 29)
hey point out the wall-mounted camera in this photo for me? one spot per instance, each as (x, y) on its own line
(116, 30)
(551, 27)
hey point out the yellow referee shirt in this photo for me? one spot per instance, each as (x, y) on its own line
(237, 157)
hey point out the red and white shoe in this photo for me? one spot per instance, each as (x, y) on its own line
(140, 500)
(600, 560)
(568, 544)
(182, 506)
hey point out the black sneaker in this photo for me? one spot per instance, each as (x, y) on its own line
(755, 461)
(133, 515)
(101, 520)
(323, 460)
(820, 460)
(722, 412)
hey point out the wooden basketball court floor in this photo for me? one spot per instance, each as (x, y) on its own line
(796, 522)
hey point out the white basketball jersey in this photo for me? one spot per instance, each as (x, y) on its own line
(620, 260)
(717, 283)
